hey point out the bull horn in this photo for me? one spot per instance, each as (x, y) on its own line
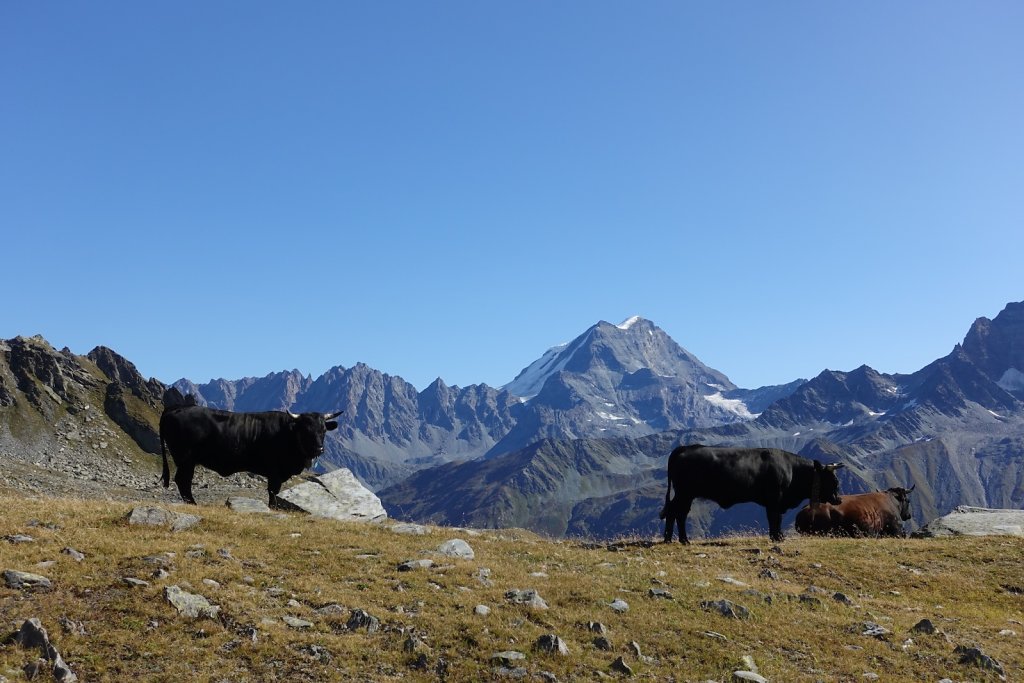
(333, 415)
(834, 466)
(912, 487)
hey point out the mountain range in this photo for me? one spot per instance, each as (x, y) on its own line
(576, 442)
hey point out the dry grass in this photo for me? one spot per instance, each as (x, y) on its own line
(134, 634)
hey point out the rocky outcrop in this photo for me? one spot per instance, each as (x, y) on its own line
(336, 495)
(974, 521)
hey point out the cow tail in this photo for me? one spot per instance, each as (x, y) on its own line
(167, 470)
(668, 494)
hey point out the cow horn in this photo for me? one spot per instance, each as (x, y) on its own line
(834, 466)
(912, 487)
(333, 415)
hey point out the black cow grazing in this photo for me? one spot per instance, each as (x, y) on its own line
(275, 445)
(881, 513)
(771, 477)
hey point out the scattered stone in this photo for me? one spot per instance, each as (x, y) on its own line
(410, 565)
(25, 580)
(842, 598)
(766, 598)
(551, 643)
(482, 610)
(70, 627)
(33, 635)
(726, 608)
(362, 619)
(769, 574)
(974, 656)
(530, 598)
(660, 593)
(19, 538)
(749, 664)
(247, 506)
(812, 601)
(73, 554)
(332, 608)
(620, 666)
(732, 582)
(189, 604)
(456, 548)
(225, 554)
(619, 605)
(508, 658)
(410, 529)
(319, 653)
(602, 643)
(870, 676)
(715, 634)
(873, 630)
(924, 626)
(748, 677)
(148, 515)
(296, 623)
(135, 583)
(597, 627)
(1008, 633)
(483, 576)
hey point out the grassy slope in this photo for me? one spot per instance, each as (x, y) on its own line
(133, 634)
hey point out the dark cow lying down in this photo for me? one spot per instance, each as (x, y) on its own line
(881, 513)
(274, 445)
(771, 477)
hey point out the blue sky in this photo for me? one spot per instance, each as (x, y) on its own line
(227, 189)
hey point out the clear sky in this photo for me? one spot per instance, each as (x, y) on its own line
(447, 189)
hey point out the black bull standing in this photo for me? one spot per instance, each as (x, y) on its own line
(275, 445)
(777, 479)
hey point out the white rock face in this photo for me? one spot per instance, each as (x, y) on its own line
(972, 521)
(336, 495)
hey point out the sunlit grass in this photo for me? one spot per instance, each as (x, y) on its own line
(266, 567)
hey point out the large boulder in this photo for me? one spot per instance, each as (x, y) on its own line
(336, 495)
(973, 521)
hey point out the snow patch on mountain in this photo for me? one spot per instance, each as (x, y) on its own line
(1012, 380)
(733, 405)
(626, 324)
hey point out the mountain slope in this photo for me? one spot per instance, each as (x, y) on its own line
(953, 429)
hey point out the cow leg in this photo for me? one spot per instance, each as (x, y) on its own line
(183, 478)
(775, 523)
(682, 509)
(274, 488)
(670, 520)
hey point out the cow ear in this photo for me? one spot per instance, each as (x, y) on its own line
(332, 425)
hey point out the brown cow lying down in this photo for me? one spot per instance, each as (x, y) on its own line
(881, 513)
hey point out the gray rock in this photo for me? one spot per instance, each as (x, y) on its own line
(530, 598)
(726, 608)
(33, 635)
(659, 593)
(189, 604)
(135, 583)
(965, 520)
(148, 515)
(551, 643)
(73, 554)
(247, 506)
(336, 495)
(873, 630)
(456, 548)
(619, 605)
(362, 619)
(602, 643)
(924, 626)
(508, 657)
(410, 565)
(296, 623)
(25, 580)
(620, 666)
(974, 656)
(748, 677)
(408, 529)
(19, 538)
(597, 627)
(732, 582)
(482, 610)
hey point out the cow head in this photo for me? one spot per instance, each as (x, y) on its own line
(902, 498)
(309, 430)
(825, 487)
